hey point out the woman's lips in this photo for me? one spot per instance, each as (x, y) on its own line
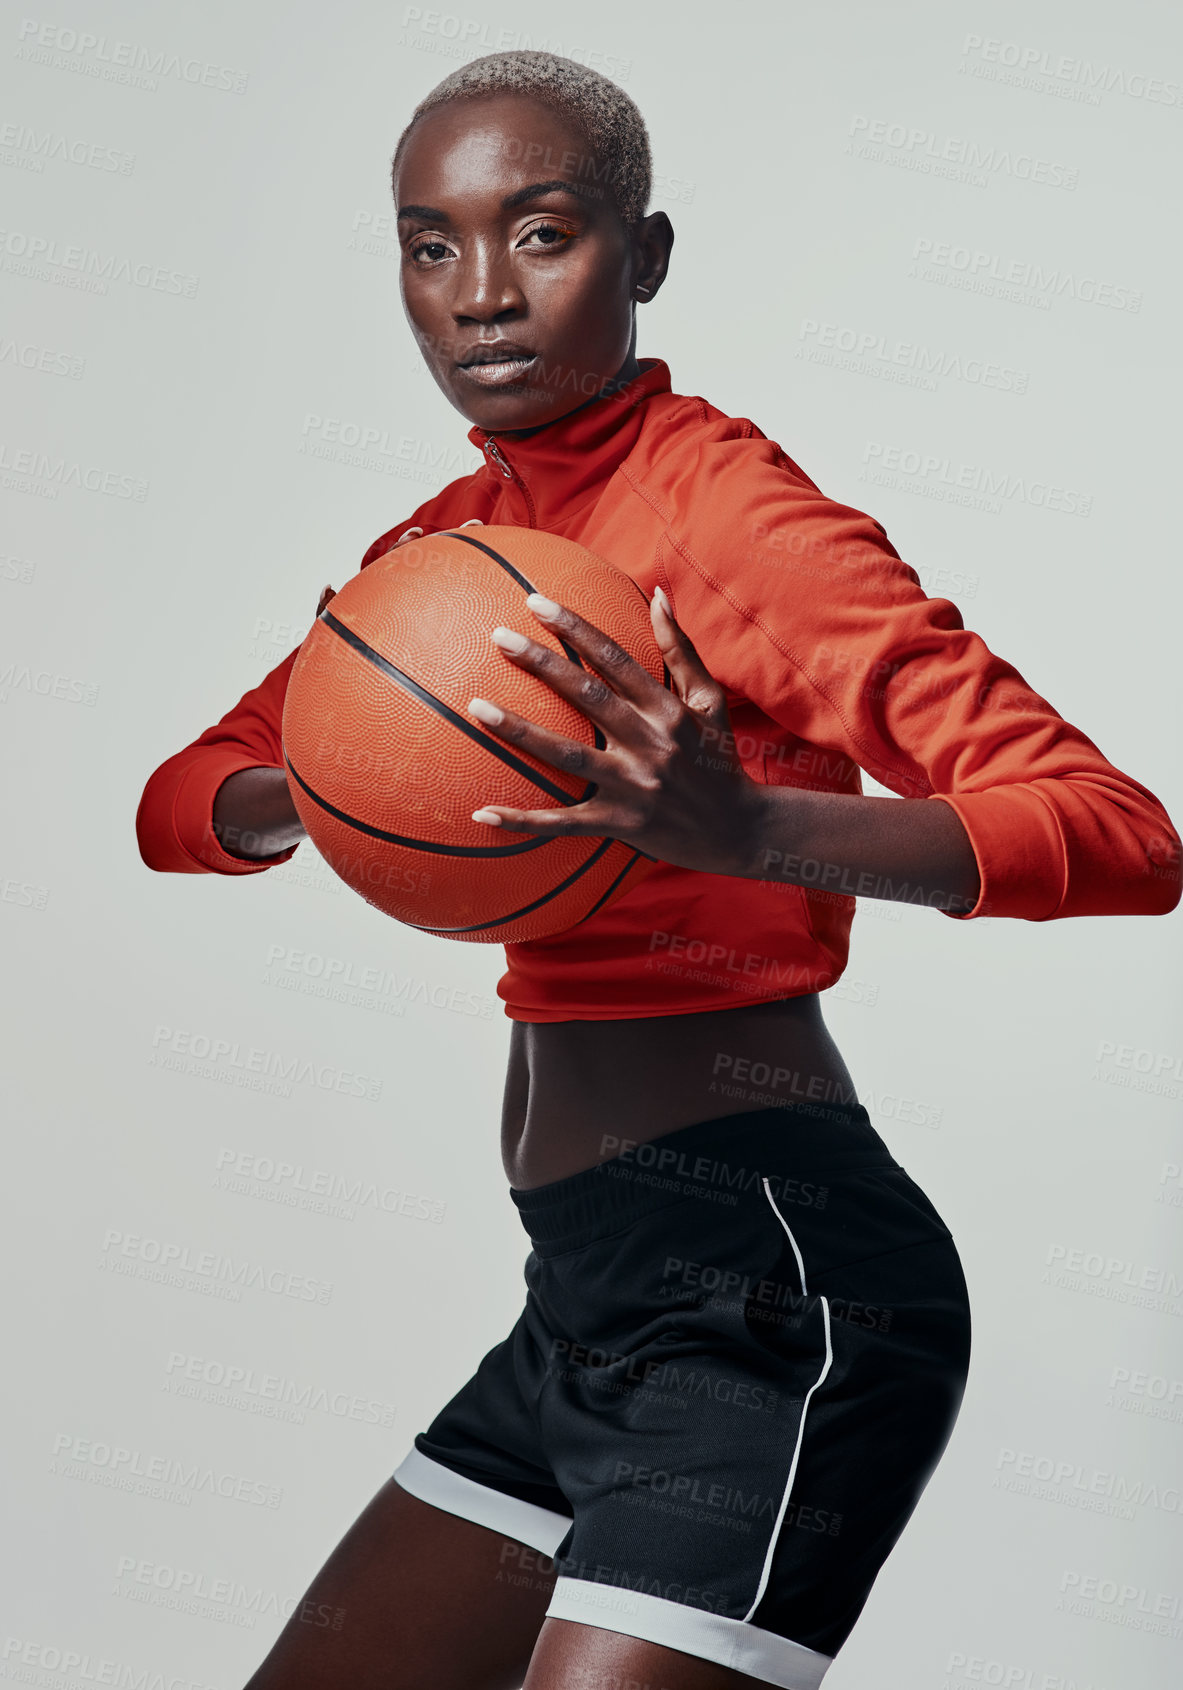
(503, 373)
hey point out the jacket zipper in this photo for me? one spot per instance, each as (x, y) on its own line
(494, 451)
(495, 454)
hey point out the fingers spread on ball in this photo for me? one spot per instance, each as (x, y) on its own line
(569, 756)
(580, 686)
(628, 678)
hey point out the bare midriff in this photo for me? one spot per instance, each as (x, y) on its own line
(575, 1090)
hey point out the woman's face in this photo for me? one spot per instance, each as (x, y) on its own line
(518, 273)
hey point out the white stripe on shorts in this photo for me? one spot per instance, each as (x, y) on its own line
(826, 1364)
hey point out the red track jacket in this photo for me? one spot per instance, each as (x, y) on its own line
(833, 659)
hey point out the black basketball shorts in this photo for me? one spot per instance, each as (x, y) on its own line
(743, 1349)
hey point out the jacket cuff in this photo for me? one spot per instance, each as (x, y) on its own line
(1019, 849)
(193, 809)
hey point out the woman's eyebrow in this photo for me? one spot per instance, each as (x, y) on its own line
(432, 214)
(537, 189)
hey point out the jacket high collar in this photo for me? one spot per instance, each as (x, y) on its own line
(558, 468)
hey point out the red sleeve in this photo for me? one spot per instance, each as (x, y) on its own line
(173, 822)
(803, 606)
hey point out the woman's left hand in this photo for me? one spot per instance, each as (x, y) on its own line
(668, 781)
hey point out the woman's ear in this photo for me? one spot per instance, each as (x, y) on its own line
(653, 237)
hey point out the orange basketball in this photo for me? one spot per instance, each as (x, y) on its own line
(386, 765)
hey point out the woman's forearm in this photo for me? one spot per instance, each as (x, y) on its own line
(907, 850)
(253, 814)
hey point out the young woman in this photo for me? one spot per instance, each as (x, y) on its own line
(746, 1334)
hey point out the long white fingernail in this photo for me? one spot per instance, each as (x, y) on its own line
(543, 607)
(659, 595)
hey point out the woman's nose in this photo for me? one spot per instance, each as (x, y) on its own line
(487, 289)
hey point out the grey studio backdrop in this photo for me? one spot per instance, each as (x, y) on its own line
(932, 250)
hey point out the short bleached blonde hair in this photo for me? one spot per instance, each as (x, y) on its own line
(608, 119)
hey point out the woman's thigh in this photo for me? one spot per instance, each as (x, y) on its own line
(414, 1598)
(569, 1655)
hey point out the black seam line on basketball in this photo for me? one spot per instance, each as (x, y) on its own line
(521, 581)
(625, 870)
(499, 921)
(484, 740)
(599, 741)
(454, 534)
(403, 839)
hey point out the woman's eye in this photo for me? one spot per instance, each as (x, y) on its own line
(548, 235)
(429, 252)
